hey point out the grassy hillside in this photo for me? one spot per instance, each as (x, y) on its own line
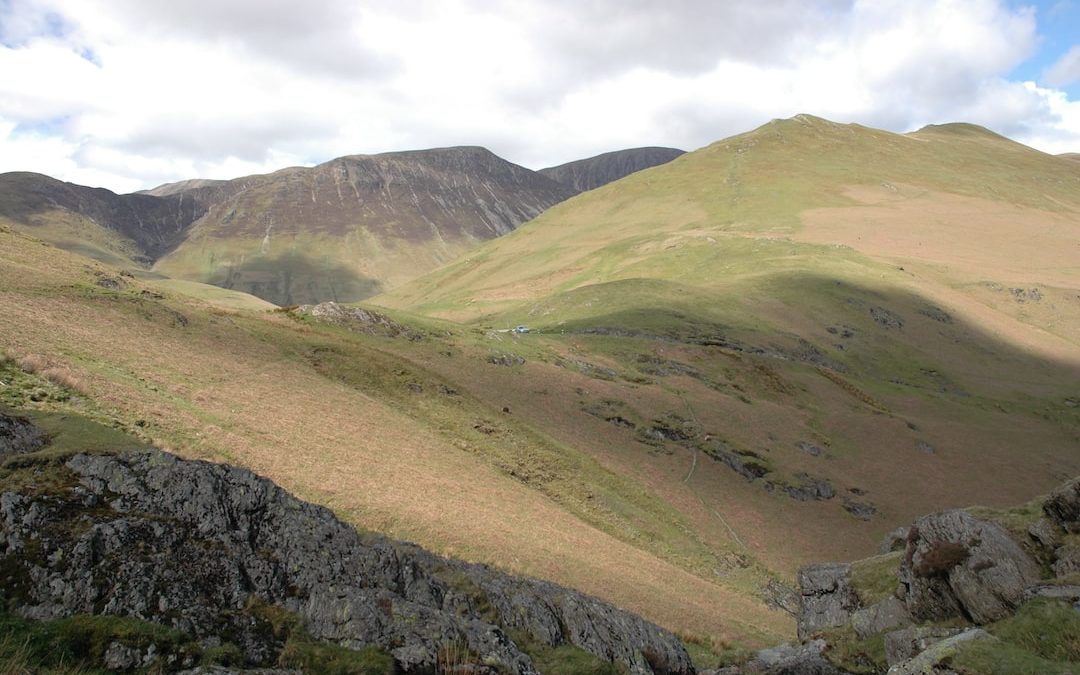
(364, 424)
(810, 332)
(767, 352)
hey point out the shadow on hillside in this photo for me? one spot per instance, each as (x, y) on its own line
(886, 334)
(294, 278)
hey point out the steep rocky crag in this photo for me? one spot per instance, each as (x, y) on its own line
(195, 546)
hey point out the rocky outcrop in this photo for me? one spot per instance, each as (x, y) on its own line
(18, 435)
(359, 320)
(1063, 506)
(888, 614)
(937, 652)
(192, 545)
(958, 565)
(956, 569)
(827, 598)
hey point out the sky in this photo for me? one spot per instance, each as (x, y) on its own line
(129, 94)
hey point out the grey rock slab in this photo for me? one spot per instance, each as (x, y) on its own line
(827, 598)
(18, 435)
(902, 645)
(804, 659)
(928, 660)
(957, 564)
(1063, 506)
(189, 544)
(1046, 532)
(886, 615)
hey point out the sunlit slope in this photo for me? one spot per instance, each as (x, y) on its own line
(756, 203)
(361, 424)
(830, 329)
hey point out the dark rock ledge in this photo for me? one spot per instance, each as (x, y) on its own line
(191, 545)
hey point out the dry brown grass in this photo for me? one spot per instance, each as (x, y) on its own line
(217, 390)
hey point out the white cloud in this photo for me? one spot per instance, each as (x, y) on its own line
(1066, 70)
(130, 93)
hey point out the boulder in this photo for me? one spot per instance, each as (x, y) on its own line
(827, 598)
(959, 565)
(888, 614)
(1063, 506)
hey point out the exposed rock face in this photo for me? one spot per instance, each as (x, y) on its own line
(956, 564)
(18, 435)
(1063, 506)
(901, 645)
(888, 614)
(591, 173)
(359, 320)
(827, 597)
(190, 544)
(354, 226)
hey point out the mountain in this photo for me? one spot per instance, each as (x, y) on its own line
(591, 173)
(772, 351)
(345, 229)
(95, 221)
(341, 230)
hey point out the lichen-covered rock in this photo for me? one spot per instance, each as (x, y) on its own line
(957, 564)
(1063, 506)
(190, 544)
(888, 614)
(827, 597)
(902, 645)
(1046, 532)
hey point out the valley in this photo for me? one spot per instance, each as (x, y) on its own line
(764, 353)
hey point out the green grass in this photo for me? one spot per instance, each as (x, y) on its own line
(875, 579)
(565, 659)
(1042, 637)
(855, 655)
(78, 644)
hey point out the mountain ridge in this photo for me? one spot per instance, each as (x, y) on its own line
(590, 173)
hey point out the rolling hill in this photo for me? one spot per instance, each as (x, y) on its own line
(840, 325)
